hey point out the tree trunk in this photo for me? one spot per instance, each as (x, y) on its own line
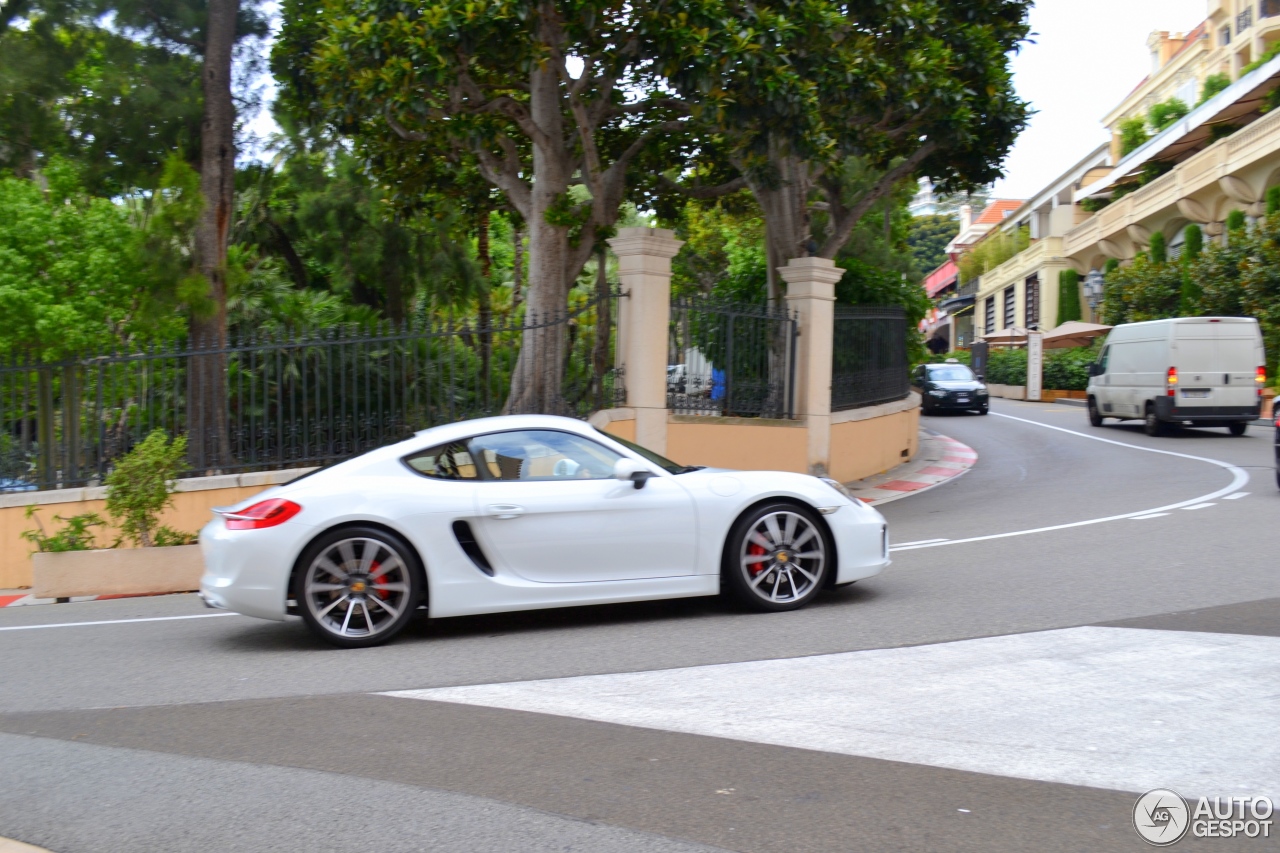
(784, 199)
(536, 382)
(604, 328)
(209, 443)
(517, 269)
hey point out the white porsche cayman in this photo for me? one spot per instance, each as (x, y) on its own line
(524, 512)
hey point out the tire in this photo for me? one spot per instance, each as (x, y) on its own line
(1152, 425)
(1237, 427)
(761, 566)
(1095, 417)
(983, 410)
(344, 572)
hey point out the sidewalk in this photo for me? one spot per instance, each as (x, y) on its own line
(8, 845)
(939, 460)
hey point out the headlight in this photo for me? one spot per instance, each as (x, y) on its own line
(937, 392)
(839, 487)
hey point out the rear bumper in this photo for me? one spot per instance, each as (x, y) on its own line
(1167, 411)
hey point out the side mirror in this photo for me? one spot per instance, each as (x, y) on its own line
(1093, 369)
(629, 470)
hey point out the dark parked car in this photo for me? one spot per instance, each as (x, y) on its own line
(950, 386)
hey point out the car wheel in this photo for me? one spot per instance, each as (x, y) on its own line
(1151, 424)
(1237, 427)
(1095, 417)
(983, 410)
(778, 557)
(358, 586)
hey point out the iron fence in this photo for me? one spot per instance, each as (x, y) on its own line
(869, 356)
(730, 358)
(296, 399)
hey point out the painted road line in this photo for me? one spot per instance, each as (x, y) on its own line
(920, 542)
(115, 621)
(1116, 708)
(1199, 506)
(1238, 478)
(1237, 496)
(1152, 515)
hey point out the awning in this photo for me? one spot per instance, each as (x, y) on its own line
(1074, 333)
(956, 304)
(941, 278)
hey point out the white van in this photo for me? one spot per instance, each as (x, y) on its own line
(1196, 371)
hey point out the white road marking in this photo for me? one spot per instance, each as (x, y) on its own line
(919, 542)
(1199, 506)
(1152, 515)
(115, 621)
(1115, 708)
(1237, 496)
(1238, 478)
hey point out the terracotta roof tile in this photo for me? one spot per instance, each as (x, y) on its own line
(997, 211)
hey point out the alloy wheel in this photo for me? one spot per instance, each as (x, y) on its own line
(357, 588)
(783, 557)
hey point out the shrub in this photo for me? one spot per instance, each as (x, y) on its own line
(75, 535)
(1159, 250)
(1068, 296)
(141, 487)
(1133, 135)
(1007, 366)
(1068, 369)
(1165, 113)
(1213, 84)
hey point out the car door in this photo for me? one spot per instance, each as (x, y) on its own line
(549, 510)
(1102, 383)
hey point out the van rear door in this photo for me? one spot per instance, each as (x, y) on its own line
(1217, 362)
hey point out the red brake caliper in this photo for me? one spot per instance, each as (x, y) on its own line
(373, 573)
(757, 551)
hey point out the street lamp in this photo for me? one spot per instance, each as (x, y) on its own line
(1093, 286)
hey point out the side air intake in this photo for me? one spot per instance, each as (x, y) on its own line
(470, 547)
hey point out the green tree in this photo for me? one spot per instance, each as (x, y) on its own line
(928, 238)
(1133, 135)
(1192, 248)
(1069, 296)
(1213, 84)
(1158, 251)
(1165, 113)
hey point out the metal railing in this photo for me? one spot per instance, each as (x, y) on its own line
(869, 356)
(1244, 20)
(294, 399)
(730, 359)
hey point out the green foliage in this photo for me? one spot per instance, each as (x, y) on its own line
(1236, 221)
(141, 486)
(1133, 135)
(1221, 131)
(1068, 369)
(1068, 296)
(1213, 84)
(1193, 243)
(996, 248)
(1111, 266)
(1270, 54)
(1273, 201)
(1007, 366)
(1165, 114)
(1144, 290)
(723, 254)
(74, 535)
(1158, 251)
(1093, 205)
(75, 272)
(1192, 249)
(928, 238)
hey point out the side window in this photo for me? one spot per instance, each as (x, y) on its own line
(919, 378)
(1103, 359)
(542, 455)
(444, 462)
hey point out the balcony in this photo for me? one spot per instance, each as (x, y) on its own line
(1269, 8)
(1244, 20)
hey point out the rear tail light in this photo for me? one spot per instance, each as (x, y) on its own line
(267, 513)
(1172, 380)
(1261, 379)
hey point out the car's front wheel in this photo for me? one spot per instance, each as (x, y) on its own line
(1095, 417)
(778, 557)
(358, 586)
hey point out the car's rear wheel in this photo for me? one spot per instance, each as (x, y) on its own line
(1095, 417)
(778, 557)
(1237, 427)
(358, 586)
(1151, 424)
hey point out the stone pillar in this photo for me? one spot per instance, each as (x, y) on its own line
(811, 294)
(644, 270)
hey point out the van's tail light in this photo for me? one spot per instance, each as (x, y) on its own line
(1172, 381)
(262, 514)
(1261, 379)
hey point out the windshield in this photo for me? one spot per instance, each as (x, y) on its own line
(959, 373)
(661, 461)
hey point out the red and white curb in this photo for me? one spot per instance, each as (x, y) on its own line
(956, 459)
(21, 600)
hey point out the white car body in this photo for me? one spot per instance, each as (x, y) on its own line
(571, 542)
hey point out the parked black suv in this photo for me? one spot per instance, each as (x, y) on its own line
(949, 387)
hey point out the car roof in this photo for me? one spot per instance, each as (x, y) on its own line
(475, 426)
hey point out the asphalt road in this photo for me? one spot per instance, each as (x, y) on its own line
(227, 733)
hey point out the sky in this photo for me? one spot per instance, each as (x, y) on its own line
(1088, 55)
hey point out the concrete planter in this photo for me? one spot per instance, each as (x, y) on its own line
(116, 571)
(1009, 392)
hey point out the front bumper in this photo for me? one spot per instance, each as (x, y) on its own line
(1167, 411)
(950, 402)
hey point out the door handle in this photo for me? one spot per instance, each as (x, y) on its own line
(505, 510)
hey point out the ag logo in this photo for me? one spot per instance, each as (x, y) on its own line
(1161, 817)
